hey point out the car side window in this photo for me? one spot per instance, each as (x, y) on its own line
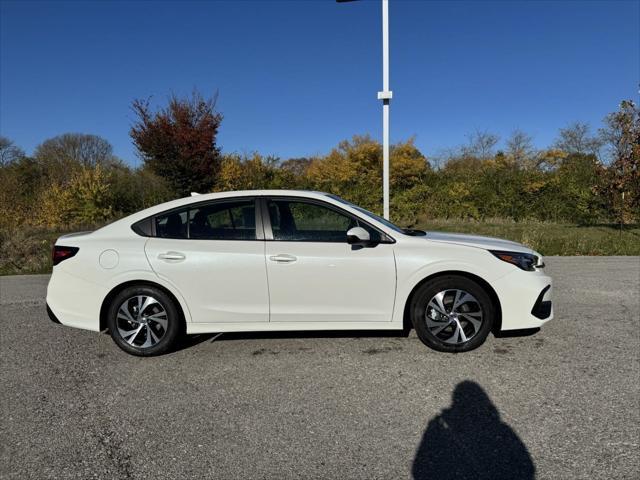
(234, 220)
(295, 220)
(172, 225)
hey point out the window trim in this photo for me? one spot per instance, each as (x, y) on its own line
(258, 219)
(266, 219)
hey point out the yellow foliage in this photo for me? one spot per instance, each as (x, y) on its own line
(84, 200)
(534, 186)
(249, 173)
(353, 170)
(409, 166)
(231, 176)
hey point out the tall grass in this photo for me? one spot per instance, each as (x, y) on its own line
(28, 249)
(550, 238)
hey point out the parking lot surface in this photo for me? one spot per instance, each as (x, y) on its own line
(561, 403)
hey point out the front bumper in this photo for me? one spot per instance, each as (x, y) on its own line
(542, 309)
(525, 299)
(52, 316)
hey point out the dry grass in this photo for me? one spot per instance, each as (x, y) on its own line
(550, 238)
(28, 249)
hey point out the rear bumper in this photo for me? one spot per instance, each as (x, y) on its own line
(73, 301)
(525, 299)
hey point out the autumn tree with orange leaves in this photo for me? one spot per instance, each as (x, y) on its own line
(621, 185)
(178, 142)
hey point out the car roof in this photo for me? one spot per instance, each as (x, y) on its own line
(235, 193)
(203, 197)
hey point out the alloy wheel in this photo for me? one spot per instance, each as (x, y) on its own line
(142, 321)
(453, 316)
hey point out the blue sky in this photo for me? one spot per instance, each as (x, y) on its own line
(294, 78)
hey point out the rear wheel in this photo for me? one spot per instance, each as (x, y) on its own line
(452, 314)
(144, 321)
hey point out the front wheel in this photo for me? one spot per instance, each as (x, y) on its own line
(144, 321)
(452, 314)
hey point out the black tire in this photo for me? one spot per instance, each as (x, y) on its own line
(170, 334)
(418, 311)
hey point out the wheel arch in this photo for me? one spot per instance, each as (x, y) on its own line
(406, 321)
(104, 308)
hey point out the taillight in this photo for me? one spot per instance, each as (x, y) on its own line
(61, 253)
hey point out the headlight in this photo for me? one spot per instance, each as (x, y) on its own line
(524, 261)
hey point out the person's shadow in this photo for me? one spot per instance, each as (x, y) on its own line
(469, 440)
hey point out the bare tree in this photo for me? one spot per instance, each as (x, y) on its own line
(520, 148)
(481, 144)
(9, 152)
(577, 138)
(297, 166)
(83, 149)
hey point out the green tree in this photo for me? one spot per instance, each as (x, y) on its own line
(576, 178)
(135, 189)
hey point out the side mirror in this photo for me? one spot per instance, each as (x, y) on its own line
(358, 236)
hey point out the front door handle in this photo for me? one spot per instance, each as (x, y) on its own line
(282, 258)
(175, 256)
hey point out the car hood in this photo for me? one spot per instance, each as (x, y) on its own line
(487, 243)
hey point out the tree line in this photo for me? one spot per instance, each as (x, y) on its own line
(75, 179)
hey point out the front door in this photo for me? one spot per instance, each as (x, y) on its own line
(316, 276)
(212, 255)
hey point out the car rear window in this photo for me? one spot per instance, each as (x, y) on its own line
(231, 220)
(224, 221)
(172, 225)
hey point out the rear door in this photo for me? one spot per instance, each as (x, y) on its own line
(214, 255)
(315, 275)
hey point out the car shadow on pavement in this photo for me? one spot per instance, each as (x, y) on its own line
(228, 336)
(468, 440)
(188, 341)
(523, 332)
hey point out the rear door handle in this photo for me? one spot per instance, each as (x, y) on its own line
(282, 258)
(175, 256)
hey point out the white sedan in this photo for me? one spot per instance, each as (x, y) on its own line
(275, 260)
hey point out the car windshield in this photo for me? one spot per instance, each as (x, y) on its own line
(385, 222)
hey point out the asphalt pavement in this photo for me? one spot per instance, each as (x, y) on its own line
(561, 403)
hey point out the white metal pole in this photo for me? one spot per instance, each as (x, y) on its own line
(385, 97)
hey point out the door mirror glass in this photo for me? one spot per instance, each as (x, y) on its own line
(358, 236)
